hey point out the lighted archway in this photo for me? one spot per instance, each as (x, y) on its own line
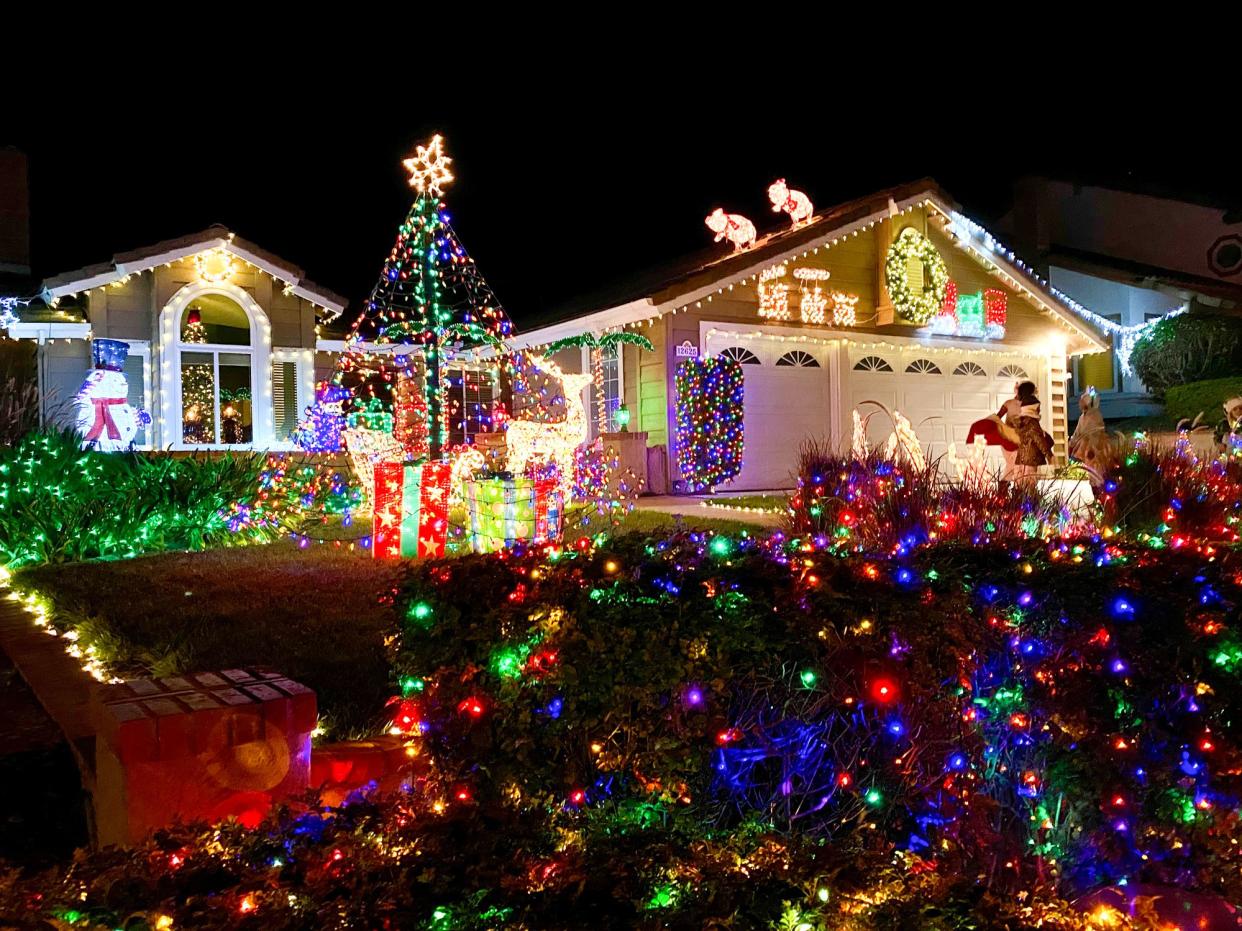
(168, 429)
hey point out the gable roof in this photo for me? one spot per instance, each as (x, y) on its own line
(171, 250)
(697, 278)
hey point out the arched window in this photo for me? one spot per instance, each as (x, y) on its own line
(872, 364)
(1012, 371)
(216, 344)
(799, 359)
(923, 367)
(970, 368)
(738, 354)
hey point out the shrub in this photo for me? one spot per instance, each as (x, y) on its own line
(1201, 397)
(60, 503)
(1169, 493)
(1188, 348)
(877, 505)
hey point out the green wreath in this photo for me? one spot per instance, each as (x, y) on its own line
(911, 244)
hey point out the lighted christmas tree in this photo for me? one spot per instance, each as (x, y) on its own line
(430, 296)
(198, 389)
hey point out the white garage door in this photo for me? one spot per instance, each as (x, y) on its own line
(942, 394)
(785, 401)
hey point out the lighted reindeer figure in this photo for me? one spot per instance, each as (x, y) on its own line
(531, 442)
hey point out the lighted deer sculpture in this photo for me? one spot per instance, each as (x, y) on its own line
(532, 442)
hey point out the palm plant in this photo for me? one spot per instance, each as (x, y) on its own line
(599, 343)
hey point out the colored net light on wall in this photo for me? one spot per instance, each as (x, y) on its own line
(709, 421)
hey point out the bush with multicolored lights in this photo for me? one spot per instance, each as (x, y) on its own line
(695, 730)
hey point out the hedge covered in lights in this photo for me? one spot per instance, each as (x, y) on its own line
(671, 732)
(60, 503)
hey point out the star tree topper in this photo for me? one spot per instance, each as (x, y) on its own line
(429, 167)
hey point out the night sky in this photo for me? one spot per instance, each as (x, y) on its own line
(554, 196)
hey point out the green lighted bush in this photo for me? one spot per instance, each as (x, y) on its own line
(59, 503)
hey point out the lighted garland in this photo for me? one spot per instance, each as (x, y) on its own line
(709, 421)
(911, 244)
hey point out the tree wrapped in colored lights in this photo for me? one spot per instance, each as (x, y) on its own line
(709, 421)
(430, 298)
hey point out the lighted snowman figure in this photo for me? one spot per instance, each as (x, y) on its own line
(105, 418)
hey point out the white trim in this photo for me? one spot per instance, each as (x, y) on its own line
(168, 433)
(44, 331)
(818, 335)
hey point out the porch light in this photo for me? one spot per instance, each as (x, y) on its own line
(621, 417)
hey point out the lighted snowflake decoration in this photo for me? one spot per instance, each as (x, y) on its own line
(429, 167)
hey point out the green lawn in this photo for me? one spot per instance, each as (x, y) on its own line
(314, 614)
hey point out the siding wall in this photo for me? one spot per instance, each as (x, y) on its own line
(65, 363)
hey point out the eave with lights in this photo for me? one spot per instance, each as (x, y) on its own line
(897, 298)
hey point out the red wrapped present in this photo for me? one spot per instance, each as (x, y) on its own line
(411, 509)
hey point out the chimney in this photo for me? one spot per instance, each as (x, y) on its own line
(14, 213)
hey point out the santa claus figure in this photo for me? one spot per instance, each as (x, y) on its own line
(105, 418)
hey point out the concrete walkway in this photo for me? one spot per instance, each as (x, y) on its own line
(691, 506)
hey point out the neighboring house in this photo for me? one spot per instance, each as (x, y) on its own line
(1132, 256)
(222, 339)
(803, 377)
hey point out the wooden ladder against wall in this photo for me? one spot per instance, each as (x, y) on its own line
(1058, 387)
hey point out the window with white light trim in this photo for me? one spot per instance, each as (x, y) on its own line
(215, 368)
(612, 384)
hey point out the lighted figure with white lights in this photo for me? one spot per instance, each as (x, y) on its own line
(105, 417)
(731, 226)
(794, 203)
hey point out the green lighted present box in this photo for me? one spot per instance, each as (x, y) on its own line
(506, 510)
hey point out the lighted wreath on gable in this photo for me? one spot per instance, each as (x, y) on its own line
(909, 245)
(980, 315)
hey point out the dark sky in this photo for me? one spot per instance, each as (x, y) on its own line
(560, 192)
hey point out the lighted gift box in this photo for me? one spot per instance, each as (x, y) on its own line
(411, 509)
(505, 510)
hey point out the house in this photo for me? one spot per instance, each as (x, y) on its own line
(808, 313)
(1133, 254)
(222, 339)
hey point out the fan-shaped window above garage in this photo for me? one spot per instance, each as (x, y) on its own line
(738, 354)
(1012, 371)
(924, 367)
(798, 358)
(970, 368)
(872, 364)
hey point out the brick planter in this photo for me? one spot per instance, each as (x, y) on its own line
(201, 746)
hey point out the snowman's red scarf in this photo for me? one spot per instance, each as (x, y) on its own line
(103, 419)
